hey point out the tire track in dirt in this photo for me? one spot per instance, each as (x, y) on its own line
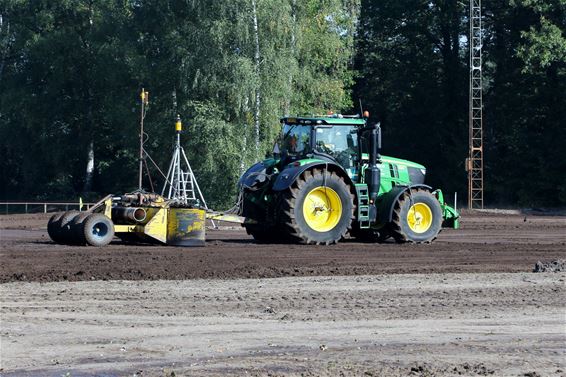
(440, 324)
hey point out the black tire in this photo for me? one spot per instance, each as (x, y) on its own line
(291, 217)
(399, 227)
(97, 230)
(64, 228)
(76, 229)
(53, 227)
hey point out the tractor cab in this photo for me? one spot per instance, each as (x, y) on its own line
(330, 138)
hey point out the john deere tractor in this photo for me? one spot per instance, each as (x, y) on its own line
(327, 178)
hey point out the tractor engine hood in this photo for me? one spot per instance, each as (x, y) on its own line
(416, 172)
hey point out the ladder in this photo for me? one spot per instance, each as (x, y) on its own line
(363, 206)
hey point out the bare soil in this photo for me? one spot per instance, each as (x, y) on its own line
(485, 243)
(384, 325)
(467, 304)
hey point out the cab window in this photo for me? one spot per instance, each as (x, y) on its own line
(295, 139)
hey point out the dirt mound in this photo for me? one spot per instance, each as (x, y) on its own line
(558, 265)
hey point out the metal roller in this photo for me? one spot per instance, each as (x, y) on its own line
(130, 214)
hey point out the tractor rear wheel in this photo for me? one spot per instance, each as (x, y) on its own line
(417, 217)
(317, 209)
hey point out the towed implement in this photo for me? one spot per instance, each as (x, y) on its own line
(177, 217)
(134, 218)
(328, 178)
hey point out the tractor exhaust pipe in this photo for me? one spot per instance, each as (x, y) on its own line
(373, 173)
(130, 214)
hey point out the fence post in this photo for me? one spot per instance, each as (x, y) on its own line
(26, 208)
(44, 207)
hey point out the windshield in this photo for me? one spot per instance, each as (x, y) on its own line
(336, 140)
(295, 139)
(340, 142)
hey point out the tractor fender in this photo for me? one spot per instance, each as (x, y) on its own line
(288, 176)
(254, 176)
(386, 203)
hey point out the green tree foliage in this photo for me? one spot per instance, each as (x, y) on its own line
(412, 66)
(58, 81)
(71, 72)
(525, 102)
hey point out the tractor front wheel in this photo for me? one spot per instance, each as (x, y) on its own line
(318, 209)
(417, 217)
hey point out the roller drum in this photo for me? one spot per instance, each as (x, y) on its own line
(129, 214)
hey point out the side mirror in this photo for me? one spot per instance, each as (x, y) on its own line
(276, 150)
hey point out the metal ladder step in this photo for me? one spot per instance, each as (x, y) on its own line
(363, 206)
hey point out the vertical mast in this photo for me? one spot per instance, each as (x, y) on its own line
(474, 164)
(144, 101)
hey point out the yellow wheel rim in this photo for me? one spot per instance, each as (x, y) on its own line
(322, 209)
(419, 217)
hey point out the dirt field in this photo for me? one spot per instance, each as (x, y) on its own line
(486, 243)
(468, 304)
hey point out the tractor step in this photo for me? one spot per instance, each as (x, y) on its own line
(363, 206)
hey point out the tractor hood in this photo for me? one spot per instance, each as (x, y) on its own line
(400, 161)
(409, 171)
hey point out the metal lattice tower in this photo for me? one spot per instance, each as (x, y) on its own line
(475, 159)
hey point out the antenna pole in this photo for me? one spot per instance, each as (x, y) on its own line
(144, 101)
(474, 163)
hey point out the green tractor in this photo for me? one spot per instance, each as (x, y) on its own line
(327, 178)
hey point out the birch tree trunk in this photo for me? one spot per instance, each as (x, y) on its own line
(258, 77)
(244, 137)
(5, 42)
(293, 56)
(90, 113)
(89, 168)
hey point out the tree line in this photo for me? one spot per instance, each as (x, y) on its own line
(71, 72)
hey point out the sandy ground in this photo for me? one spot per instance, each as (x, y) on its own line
(468, 304)
(439, 324)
